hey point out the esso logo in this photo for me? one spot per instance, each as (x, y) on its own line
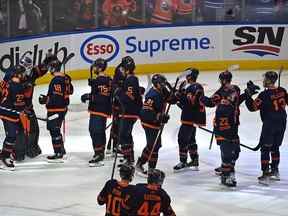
(99, 46)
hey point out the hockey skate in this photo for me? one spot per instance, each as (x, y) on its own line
(194, 164)
(7, 164)
(264, 179)
(180, 167)
(56, 158)
(97, 161)
(140, 169)
(125, 161)
(274, 175)
(218, 171)
(228, 180)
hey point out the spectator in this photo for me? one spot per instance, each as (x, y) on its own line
(220, 10)
(135, 15)
(115, 12)
(163, 11)
(27, 18)
(3, 20)
(87, 15)
(184, 11)
(259, 10)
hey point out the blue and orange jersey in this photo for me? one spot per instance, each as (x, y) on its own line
(100, 96)
(193, 110)
(13, 99)
(153, 105)
(113, 194)
(130, 97)
(148, 200)
(272, 103)
(60, 88)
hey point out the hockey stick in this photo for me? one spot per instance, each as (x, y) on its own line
(64, 62)
(256, 148)
(118, 141)
(149, 84)
(166, 112)
(55, 116)
(211, 140)
(279, 75)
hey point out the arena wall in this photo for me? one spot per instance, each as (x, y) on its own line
(159, 49)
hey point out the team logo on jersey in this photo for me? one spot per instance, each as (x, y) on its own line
(259, 41)
(96, 46)
(165, 5)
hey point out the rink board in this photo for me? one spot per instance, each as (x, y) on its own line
(159, 49)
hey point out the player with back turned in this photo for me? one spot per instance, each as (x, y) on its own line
(271, 102)
(130, 99)
(150, 198)
(193, 114)
(99, 109)
(12, 101)
(114, 192)
(227, 100)
(57, 101)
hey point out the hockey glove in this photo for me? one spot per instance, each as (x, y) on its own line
(43, 99)
(49, 58)
(141, 90)
(90, 81)
(251, 89)
(163, 118)
(85, 97)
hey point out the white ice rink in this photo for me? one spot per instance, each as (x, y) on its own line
(37, 188)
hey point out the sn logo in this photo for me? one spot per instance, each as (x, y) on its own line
(250, 35)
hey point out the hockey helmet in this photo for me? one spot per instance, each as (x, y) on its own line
(225, 76)
(155, 176)
(128, 64)
(126, 172)
(270, 77)
(192, 74)
(158, 79)
(27, 63)
(99, 63)
(55, 66)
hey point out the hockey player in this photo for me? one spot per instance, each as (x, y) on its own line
(193, 114)
(12, 99)
(152, 116)
(117, 84)
(29, 145)
(131, 101)
(272, 103)
(227, 100)
(150, 198)
(114, 192)
(57, 101)
(99, 109)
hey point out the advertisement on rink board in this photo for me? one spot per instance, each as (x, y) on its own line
(155, 45)
(255, 41)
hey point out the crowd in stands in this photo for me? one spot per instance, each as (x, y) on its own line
(26, 17)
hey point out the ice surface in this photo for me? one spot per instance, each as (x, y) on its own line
(39, 188)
